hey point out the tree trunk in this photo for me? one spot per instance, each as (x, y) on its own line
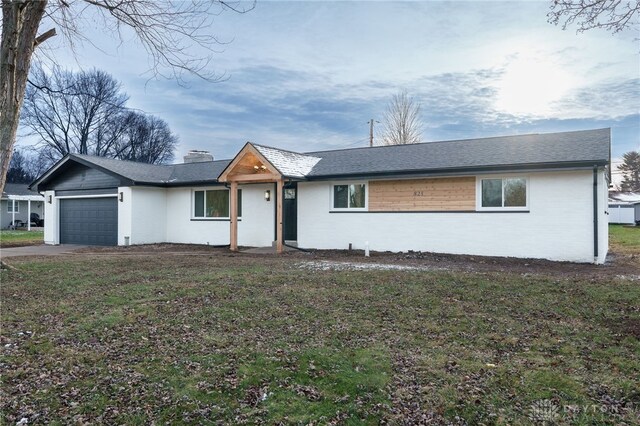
(20, 22)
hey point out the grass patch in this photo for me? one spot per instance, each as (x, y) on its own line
(235, 339)
(19, 238)
(624, 238)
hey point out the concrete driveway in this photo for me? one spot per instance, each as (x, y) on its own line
(39, 250)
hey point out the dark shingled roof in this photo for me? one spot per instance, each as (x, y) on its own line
(170, 174)
(17, 189)
(566, 149)
(587, 146)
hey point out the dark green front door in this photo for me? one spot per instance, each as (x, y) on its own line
(290, 211)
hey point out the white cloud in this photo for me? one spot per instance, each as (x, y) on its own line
(309, 74)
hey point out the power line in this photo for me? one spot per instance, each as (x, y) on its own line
(359, 141)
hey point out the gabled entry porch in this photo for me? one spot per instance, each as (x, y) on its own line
(256, 164)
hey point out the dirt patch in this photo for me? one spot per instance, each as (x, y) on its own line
(328, 265)
(19, 244)
(156, 248)
(620, 266)
(625, 327)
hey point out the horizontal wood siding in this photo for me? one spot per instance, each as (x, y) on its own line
(78, 176)
(441, 194)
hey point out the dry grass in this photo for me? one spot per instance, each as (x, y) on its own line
(20, 238)
(220, 338)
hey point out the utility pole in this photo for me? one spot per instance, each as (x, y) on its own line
(370, 122)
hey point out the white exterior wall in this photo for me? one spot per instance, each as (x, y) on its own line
(125, 215)
(147, 210)
(51, 223)
(256, 228)
(558, 226)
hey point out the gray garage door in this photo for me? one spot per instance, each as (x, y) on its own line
(90, 221)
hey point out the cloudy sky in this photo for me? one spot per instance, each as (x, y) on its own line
(309, 75)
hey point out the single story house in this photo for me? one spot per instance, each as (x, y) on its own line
(17, 204)
(530, 196)
(624, 207)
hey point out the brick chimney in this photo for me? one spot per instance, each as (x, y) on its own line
(197, 156)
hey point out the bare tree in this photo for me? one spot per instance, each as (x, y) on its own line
(168, 30)
(71, 112)
(610, 15)
(146, 139)
(19, 170)
(402, 121)
(86, 113)
(26, 165)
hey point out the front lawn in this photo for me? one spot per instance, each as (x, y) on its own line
(20, 238)
(624, 239)
(215, 338)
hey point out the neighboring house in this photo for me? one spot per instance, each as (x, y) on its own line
(17, 204)
(624, 207)
(535, 196)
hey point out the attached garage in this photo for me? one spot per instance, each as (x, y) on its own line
(89, 221)
(81, 200)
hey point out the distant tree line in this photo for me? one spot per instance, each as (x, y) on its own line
(85, 112)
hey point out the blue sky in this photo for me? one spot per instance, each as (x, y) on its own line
(309, 75)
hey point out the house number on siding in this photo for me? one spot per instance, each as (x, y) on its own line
(418, 193)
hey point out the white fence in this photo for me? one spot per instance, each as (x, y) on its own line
(622, 214)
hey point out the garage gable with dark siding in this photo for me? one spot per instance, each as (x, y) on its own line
(87, 207)
(78, 177)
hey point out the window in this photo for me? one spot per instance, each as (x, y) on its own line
(289, 193)
(10, 206)
(352, 196)
(214, 204)
(504, 193)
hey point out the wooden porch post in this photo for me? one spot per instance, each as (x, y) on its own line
(28, 215)
(233, 197)
(279, 233)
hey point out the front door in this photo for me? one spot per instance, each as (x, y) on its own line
(290, 211)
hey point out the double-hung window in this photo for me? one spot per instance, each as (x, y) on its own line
(10, 206)
(349, 196)
(214, 204)
(504, 193)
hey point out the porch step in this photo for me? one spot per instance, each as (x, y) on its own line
(287, 242)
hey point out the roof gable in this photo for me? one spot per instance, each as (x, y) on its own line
(250, 165)
(288, 163)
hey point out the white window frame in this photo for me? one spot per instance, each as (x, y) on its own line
(10, 206)
(479, 180)
(205, 189)
(350, 209)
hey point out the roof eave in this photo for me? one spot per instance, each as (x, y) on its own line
(467, 170)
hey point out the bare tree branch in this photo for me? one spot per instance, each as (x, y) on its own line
(175, 34)
(86, 113)
(402, 121)
(611, 15)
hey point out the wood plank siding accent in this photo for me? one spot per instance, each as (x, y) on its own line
(436, 194)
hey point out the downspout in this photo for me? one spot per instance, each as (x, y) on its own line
(595, 214)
